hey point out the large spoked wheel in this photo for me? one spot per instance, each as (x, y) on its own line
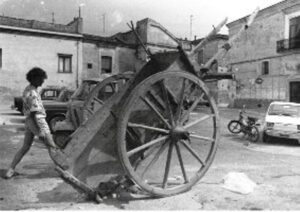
(103, 91)
(234, 127)
(166, 141)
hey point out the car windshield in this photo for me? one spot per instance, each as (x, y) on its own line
(84, 89)
(49, 93)
(284, 110)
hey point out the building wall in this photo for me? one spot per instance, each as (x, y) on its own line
(123, 59)
(221, 90)
(90, 55)
(22, 52)
(259, 44)
(157, 39)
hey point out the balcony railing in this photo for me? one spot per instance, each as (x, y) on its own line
(288, 45)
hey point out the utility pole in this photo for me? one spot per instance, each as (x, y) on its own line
(53, 20)
(79, 9)
(191, 27)
(103, 19)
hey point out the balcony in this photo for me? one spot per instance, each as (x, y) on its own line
(288, 45)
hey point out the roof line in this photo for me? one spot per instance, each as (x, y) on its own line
(259, 13)
(41, 31)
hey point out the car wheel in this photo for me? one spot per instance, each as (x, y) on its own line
(61, 138)
(55, 119)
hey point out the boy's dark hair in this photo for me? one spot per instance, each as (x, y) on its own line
(34, 73)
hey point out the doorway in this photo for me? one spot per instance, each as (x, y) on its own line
(295, 92)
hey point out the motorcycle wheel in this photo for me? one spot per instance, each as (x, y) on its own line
(254, 134)
(234, 127)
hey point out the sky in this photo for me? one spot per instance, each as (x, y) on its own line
(183, 18)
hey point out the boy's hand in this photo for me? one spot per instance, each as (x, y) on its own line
(42, 135)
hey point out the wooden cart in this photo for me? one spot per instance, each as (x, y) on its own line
(161, 130)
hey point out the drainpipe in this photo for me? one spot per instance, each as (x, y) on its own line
(77, 64)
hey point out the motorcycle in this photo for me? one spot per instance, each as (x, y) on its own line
(245, 124)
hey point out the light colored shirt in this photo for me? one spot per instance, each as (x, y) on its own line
(32, 102)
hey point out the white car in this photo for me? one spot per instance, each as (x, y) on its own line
(282, 120)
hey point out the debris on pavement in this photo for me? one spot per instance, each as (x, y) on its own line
(238, 182)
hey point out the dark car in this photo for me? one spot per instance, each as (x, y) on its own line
(55, 101)
(56, 109)
(47, 93)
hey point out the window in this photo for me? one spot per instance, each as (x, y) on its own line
(106, 65)
(294, 39)
(49, 94)
(265, 68)
(295, 27)
(0, 58)
(64, 63)
(89, 65)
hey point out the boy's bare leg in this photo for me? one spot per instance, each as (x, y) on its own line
(48, 139)
(28, 139)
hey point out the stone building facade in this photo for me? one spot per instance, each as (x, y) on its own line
(268, 52)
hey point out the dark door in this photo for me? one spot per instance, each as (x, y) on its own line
(295, 92)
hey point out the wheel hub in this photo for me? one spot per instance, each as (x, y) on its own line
(179, 133)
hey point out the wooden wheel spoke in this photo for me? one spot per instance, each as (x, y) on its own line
(202, 138)
(98, 100)
(149, 152)
(158, 101)
(155, 158)
(134, 137)
(146, 145)
(191, 91)
(168, 164)
(189, 148)
(198, 121)
(194, 105)
(146, 127)
(186, 180)
(181, 98)
(90, 111)
(166, 97)
(156, 111)
(172, 96)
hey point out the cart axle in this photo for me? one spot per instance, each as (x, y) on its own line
(179, 133)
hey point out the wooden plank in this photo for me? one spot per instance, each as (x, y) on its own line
(231, 41)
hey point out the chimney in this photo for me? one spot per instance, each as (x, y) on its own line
(78, 24)
(195, 37)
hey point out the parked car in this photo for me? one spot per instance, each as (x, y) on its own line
(55, 101)
(47, 93)
(56, 109)
(282, 120)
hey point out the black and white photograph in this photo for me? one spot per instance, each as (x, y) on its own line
(149, 105)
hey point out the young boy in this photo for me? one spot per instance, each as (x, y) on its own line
(35, 123)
